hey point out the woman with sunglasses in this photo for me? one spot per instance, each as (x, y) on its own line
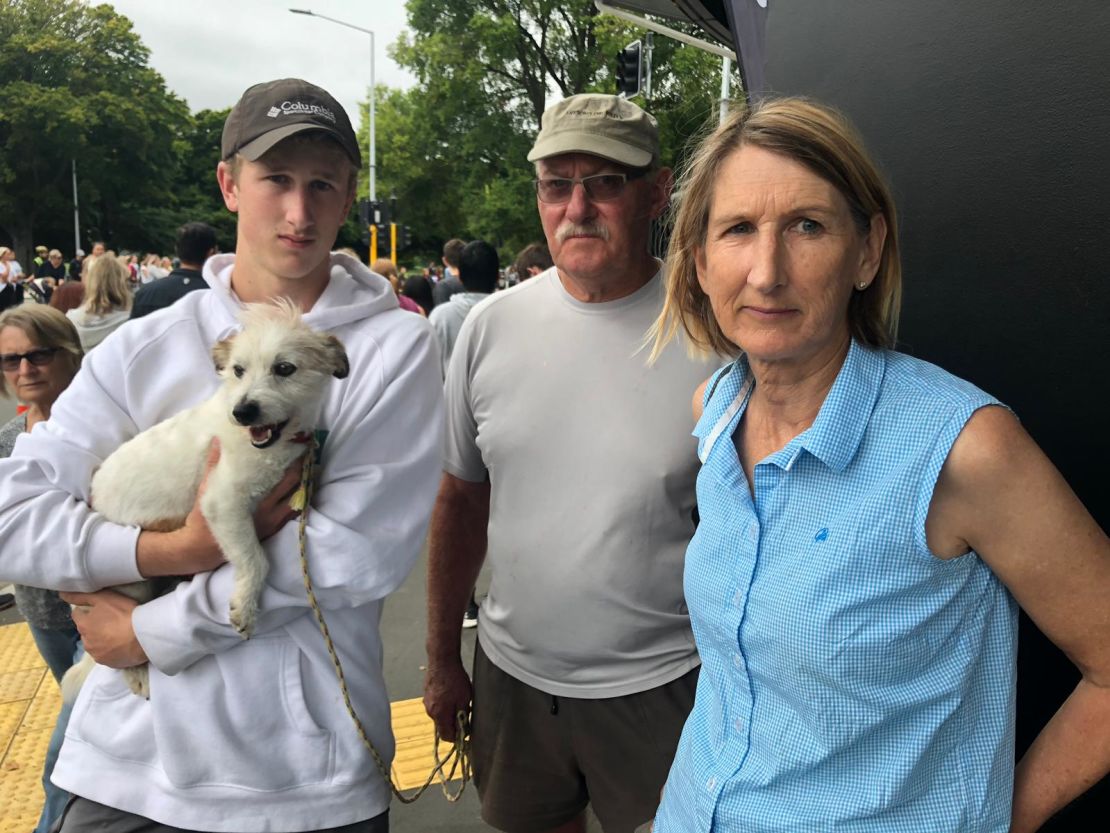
(40, 353)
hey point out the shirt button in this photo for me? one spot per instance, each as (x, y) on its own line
(738, 725)
(736, 660)
(753, 531)
(711, 784)
(738, 599)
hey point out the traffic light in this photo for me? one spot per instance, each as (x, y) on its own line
(379, 240)
(630, 69)
(370, 213)
(404, 237)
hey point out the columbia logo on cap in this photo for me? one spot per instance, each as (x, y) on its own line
(301, 107)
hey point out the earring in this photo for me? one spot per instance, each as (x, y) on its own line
(861, 285)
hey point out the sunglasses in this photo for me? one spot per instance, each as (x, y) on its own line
(599, 187)
(43, 356)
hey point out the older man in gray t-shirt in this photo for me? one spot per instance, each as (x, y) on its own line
(570, 466)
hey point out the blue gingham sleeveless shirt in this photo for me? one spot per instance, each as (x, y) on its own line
(851, 680)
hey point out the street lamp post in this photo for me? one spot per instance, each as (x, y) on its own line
(373, 155)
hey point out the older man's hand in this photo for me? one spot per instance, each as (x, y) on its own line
(104, 621)
(447, 691)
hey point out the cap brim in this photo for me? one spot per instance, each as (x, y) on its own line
(606, 148)
(253, 151)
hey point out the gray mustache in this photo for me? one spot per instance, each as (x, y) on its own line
(574, 230)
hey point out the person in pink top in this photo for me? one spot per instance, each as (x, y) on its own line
(387, 269)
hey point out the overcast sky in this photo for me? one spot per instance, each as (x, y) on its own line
(209, 51)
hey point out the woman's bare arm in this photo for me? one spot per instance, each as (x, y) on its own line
(1000, 495)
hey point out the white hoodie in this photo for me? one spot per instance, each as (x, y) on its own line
(239, 735)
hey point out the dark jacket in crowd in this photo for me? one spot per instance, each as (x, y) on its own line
(166, 291)
(49, 270)
(448, 286)
(11, 295)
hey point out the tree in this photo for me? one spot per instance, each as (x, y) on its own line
(76, 86)
(520, 48)
(194, 192)
(454, 147)
(453, 169)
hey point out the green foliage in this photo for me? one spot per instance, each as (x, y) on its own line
(453, 149)
(76, 86)
(193, 192)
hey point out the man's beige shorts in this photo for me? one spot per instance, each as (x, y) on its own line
(540, 759)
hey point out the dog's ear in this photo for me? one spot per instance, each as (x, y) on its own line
(221, 353)
(337, 357)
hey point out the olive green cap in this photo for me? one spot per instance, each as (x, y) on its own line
(601, 125)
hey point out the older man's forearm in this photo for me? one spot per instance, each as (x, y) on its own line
(456, 550)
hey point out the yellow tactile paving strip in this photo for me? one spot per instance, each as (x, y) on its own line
(415, 734)
(29, 704)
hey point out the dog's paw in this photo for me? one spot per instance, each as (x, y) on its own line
(138, 680)
(243, 615)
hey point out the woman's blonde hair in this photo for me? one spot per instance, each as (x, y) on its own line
(46, 327)
(821, 139)
(384, 266)
(106, 287)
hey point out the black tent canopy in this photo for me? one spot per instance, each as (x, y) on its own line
(709, 15)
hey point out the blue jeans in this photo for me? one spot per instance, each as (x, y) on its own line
(58, 648)
(55, 797)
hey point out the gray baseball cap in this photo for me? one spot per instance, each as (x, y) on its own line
(602, 125)
(267, 113)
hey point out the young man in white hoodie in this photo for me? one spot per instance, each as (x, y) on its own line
(240, 735)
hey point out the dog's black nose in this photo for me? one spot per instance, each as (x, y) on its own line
(245, 412)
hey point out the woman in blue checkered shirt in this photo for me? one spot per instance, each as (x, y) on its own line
(867, 523)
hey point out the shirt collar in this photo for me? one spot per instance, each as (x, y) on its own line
(836, 434)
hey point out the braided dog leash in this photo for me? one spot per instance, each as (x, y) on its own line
(459, 757)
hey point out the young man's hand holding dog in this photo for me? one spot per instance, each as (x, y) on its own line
(104, 618)
(104, 621)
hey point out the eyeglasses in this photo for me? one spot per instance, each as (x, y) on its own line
(43, 356)
(599, 187)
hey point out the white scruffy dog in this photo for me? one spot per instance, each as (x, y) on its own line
(274, 372)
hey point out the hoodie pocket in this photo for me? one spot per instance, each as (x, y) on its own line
(240, 721)
(110, 718)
